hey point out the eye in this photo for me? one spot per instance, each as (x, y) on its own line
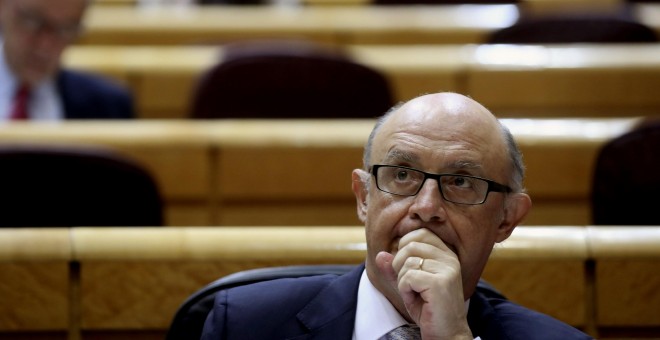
(401, 175)
(460, 182)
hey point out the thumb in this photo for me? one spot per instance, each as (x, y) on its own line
(384, 264)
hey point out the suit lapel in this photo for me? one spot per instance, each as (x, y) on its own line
(331, 314)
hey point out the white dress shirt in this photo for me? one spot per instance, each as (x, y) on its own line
(375, 316)
(44, 104)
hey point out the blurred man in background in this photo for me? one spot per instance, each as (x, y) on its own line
(33, 35)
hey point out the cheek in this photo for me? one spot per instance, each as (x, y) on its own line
(383, 214)
(477, 232)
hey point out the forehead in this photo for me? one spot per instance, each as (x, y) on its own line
(449, 131)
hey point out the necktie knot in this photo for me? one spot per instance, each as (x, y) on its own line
(405, 332)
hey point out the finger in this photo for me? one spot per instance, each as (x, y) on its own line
(423, 235)
(384, 265)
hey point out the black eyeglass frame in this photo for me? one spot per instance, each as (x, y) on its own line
(492, 185)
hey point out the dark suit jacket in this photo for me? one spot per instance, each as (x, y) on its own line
(86, 96)
(323, 307)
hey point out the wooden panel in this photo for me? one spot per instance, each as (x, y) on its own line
(135, 279)
(627, 292)
(563, 211)
(139, 295)
(302, 213)
(163, 95)
(189, 214)
(548, 276)
(34, 279)
(172, 162)
(553, 287)
(558, 170)
(283, 173)
(35, 295)
(627, 275)
(603, 81)
(416, 70)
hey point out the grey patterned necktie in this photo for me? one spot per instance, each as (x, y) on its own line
(405, 332)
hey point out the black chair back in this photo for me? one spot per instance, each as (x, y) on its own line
(188, 322)
(289, 80)
(66, 186)
(573, 29)
(626, 184)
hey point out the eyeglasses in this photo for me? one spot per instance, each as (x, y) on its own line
(33, 23)
(460, 189)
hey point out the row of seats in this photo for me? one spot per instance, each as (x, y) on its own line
(294, 78)
(95, 187)
(119, 283)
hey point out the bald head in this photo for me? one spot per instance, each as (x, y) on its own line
(454, 119)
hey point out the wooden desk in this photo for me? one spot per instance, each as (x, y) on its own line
(185, 259)
(627, 276)
(513, 81)
(213, 172)
(128, 282)
(335, 24)
(329, 24)
(592, 80)
(34, 280)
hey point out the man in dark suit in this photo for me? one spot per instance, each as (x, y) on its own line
(32, 83)
(441, 185)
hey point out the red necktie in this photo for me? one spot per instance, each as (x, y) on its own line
(20, 108)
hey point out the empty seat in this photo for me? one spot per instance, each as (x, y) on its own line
(66, 186)
(573, 29)
(289, 80)
(626, 184)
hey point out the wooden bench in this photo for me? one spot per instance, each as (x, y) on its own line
(340, 25)
(35, 282)
(233, 172)
(118, 283)
(513, 81)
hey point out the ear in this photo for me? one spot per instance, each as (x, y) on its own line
(361, 191)
(516, 207)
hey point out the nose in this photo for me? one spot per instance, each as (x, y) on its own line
(428, 205)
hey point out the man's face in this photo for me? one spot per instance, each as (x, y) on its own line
(35, 32)
(450, 134)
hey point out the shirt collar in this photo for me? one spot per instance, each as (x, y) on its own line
(375, 315)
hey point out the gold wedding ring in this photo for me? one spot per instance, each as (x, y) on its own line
(421, 263)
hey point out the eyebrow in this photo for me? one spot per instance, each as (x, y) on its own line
(464, 164)
(396, 155)
(400, 155)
